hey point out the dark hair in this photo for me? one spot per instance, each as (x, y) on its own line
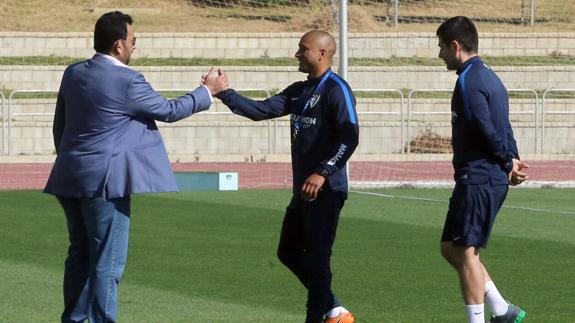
(109, 28)
(460, 29)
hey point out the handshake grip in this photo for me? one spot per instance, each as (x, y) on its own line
(215, 81)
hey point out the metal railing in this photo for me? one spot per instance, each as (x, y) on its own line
(396, 13)
(3, 123)
(534, 112)
(271, 137)
(11, 115)
(410, 111)
(400, 112)
(545, 112)
(538, 112)
(6, 142)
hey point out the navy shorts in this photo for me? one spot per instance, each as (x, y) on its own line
(472, 212)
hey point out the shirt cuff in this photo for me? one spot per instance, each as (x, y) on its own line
(209, 93)
(508, 165)
(323, 171)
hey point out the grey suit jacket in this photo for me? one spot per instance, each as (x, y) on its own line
(106, 140)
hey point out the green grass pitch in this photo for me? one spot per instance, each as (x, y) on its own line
(210, 257)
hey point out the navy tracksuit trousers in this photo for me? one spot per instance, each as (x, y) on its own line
(305, 247)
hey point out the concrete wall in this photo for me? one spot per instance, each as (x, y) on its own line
(254, 45)
(276, 78)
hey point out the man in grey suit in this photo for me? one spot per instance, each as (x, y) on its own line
(108, 147)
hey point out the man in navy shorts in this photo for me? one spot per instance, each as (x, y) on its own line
(486, 162)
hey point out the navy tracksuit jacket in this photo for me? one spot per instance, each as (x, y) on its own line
(324, 126)
(482, 138)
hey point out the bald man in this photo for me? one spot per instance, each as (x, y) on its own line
(324, 134)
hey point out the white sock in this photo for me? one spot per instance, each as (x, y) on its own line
(336, 311)
(475, 313)
(497, 304)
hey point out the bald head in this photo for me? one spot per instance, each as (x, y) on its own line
(315, 53)
(322, 40)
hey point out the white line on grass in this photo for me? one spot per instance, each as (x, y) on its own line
(402, 197)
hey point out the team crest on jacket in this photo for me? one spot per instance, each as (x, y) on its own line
(313, 100)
